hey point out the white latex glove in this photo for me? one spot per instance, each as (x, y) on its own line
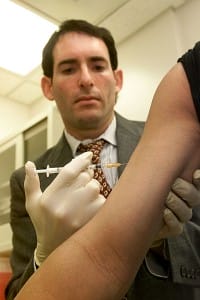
(179, 203)
(68, 203)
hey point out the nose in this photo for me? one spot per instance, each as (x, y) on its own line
(85, 79)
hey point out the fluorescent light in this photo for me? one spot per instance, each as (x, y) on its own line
(23, 35)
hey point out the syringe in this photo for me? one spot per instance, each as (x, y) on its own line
(55, 170)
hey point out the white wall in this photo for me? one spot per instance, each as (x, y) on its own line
(5, 238)
(188, 17)
(41, 106)
(12, 117)
(15, 117)
(146, 56)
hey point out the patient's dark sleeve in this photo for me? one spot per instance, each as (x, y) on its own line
(191, 63)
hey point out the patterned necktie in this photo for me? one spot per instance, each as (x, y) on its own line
(96, 148)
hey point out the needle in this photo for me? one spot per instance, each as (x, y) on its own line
(55, 170)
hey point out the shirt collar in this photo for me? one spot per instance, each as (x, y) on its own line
(109, 135)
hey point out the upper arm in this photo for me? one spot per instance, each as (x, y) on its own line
(173, 122)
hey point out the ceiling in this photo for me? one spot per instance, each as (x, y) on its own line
(121, 17)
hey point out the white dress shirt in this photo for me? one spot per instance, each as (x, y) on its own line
(108, 154)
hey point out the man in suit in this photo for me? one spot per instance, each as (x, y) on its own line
(81, 74)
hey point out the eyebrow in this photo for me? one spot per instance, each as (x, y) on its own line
(98, 58)
(74, 60)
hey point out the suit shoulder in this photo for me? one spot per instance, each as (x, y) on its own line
(134, 127)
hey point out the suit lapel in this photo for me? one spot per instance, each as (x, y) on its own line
(128, 134)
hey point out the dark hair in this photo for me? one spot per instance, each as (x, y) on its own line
(77, 26)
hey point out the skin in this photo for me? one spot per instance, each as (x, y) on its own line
(106, 247)
(84, 85)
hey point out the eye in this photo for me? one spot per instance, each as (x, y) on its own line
(99, 67)
(68, 70)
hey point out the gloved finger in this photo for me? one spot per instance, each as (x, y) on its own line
(186, 191)
(83, 208)
(31, 182)
(89, 212)
(196, 180)
(82, 179)
(83, 197)
(77, 165)
(174, 226)
(178, 207)
(96, 205)
(91, 190)
(71, 171)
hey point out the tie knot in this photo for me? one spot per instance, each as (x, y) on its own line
(95, 147)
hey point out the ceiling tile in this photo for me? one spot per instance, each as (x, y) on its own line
(8, 81)
(93, 11)
(36, 75)
(26, 93)
(134, 15)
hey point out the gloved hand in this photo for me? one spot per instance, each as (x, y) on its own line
(68, 203)
(179, 203)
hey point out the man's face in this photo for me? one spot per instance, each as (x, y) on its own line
(84, 85)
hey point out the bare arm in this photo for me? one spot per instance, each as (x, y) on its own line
(102, 258)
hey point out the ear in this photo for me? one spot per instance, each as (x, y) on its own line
(46, 85)
(118, 74)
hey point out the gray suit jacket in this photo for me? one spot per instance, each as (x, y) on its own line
(184, 251)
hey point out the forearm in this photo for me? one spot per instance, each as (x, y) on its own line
(113, 244)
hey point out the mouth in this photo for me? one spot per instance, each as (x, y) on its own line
(86, 98)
